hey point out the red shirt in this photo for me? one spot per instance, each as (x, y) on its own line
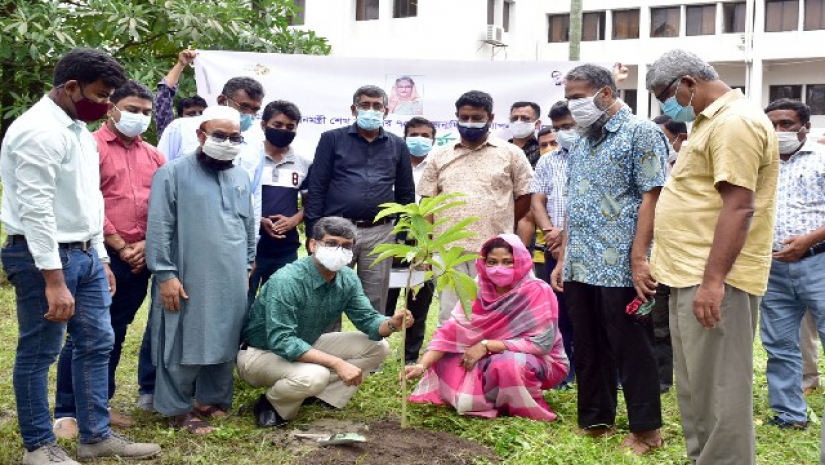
(125, 180)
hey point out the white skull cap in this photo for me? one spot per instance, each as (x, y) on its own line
(221, 112)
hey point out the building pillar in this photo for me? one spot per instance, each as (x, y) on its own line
(642, 95)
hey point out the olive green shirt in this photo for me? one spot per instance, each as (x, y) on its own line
(296, 306)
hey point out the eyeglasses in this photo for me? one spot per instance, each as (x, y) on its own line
(370, 106)
(220, 137)
(334, 245)
(245, 107)
(661, 96)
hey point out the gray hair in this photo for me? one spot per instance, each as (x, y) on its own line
(675, 64)
(334, 226)
(370, 91)
(595, 76)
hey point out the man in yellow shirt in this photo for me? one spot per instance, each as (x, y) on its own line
(713, 233)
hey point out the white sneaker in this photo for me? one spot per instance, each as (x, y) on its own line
(51, 454)
(65, 428)
(116, 446)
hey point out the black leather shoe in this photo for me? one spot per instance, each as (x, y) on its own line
(265, 414)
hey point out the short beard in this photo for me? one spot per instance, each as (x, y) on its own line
(212, 164)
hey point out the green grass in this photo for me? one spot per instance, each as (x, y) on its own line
(518, 441)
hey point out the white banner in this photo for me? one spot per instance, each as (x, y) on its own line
(322, 87)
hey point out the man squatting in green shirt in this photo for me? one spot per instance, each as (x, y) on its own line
(284, 345)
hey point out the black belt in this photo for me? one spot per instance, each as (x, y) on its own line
(16, 239)
(370, 223)
(817, 249)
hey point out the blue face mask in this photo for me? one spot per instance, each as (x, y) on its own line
(472, 132)
(419, 146)
(369, 120)
(671, 107)
(246, 121)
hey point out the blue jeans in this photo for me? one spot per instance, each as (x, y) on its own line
(40, 340)
(264, 268)
(131, 291)
(792, 288)
(146, 370)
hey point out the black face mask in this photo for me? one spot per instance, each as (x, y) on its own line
(279, 137)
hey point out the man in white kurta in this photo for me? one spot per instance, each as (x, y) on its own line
(200, 247)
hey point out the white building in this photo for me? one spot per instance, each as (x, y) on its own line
(769, 48)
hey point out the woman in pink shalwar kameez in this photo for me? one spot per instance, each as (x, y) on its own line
(501, 360)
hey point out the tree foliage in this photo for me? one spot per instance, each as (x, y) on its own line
(145, 35)
(433, 253)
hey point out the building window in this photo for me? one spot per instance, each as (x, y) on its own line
(300, 8)
(700, 20)
(366, 10)
(505, 18)
(629, 97)
(558, 29)
(625, 24)
(593, 25)
(815, 98)
(814, 15)
(405, 9)
(781, 15)
(491, 11)
(791, 92)
(733, 17)
(664, 22)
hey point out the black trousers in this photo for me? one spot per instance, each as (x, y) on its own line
(607, 340)
(419, 307)
(662, 344)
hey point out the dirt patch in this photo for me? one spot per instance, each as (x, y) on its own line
(387, 443)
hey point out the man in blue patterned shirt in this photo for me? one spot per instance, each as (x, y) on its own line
(796, 281)
(615, 172)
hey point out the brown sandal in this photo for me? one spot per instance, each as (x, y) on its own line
(211, 411)
(191, 424)
(641, 446)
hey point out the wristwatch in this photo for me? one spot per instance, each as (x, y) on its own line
(389, 325)
(484, 342)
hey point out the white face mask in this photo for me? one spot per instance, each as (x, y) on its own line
(332, 258)
(132, 124)
(567, 137)
(224, 151)
(585, 112)
(788, 142)
(522, 129)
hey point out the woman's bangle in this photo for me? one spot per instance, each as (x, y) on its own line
(421, 365)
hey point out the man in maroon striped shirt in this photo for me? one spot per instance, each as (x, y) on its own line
(127, 164)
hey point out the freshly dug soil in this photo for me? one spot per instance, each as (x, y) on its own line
(387, 443)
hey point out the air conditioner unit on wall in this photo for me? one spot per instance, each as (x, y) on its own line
(495, 34)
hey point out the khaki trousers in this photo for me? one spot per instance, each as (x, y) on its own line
(809, 345)
(290, 383)
(714, 377)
